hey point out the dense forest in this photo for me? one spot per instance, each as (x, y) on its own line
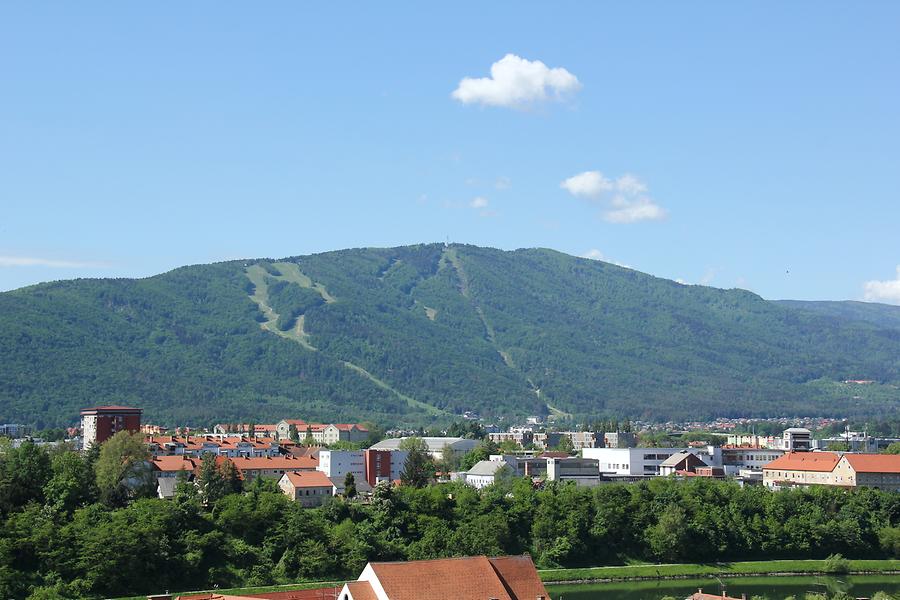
(70, 528)
(417, 334)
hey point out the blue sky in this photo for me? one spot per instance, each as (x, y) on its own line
(745, 145)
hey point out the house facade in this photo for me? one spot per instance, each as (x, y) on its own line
(309, 488)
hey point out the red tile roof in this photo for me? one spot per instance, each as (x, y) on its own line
(361, 590)
(805, 461)
(469, 578)
(287, 463)
(520, 577)
(309, 479)
(168, 464)
(874, 463)
(699, 595)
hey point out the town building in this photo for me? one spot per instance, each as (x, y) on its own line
(521, 436)
(545, 440)
(384, 465)
(800, 469)
(583, 471)
(435, 445)
(488, 472)
(680, 463)
(272, 467)
(100, 423)
(309, 488)
(644, 462)
(14, 430)
(880, 471)
(337, 463)
(619, 439)
(796, 439)
(466, 578)
(166, 470)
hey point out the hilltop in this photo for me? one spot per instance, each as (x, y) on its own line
(419, 333)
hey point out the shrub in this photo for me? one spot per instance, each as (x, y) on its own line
(836, 563)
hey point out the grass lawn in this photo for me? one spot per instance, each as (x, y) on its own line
(734, 568)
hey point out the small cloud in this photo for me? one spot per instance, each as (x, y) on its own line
(30, 261)
(481, 204)
(681, 281)
(709, 275)
(422, 199)
(516, 83)
(884, 291)
(632, 211)
(595, 254)
(625, 199)
(472, 181)
(503, 183)
(590, 184)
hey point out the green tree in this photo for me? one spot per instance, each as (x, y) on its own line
(211, 485)
(349, 485)
(72, 484)
(668, 537)
(23, 473)
(419, 470)
(565, 444)
(122, 469)
(293, 433)
(893, 448)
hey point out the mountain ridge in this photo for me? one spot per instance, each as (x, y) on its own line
(417, 333)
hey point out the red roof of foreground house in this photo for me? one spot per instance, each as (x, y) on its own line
(520, 577)
(361, 590)
(309, 479)
(805, 461)
(874, 463)
(460, 578)
(468, 578)
(699, 595)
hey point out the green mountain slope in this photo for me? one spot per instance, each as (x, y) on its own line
(416, 333)
(880, 315)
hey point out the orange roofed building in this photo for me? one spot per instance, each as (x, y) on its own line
(880, 471)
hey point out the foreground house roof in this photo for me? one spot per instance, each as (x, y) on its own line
(467, 578)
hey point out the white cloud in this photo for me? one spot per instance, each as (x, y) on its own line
(595, 254)
(590, 184)
(632, 211)
(709, 275)
(625, 199)
(30, 261)
(483, 206)
(884, 291)
(503, 183)
(515, 83)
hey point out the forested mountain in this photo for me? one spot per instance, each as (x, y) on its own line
(418, 333)
(881, 315)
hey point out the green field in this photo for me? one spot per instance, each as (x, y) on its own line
(769, 567)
